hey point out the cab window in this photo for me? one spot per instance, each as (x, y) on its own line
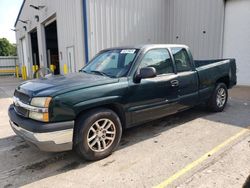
(159, 59)
(181, 59)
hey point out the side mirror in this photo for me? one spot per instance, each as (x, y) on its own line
(146, 72)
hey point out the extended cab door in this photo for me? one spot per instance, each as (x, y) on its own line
(153, 97)
(187, 78)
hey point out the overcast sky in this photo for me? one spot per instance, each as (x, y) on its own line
(8, 12)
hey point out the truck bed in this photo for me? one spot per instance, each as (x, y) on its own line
(211, 70)
(199, 63)
(216, 68)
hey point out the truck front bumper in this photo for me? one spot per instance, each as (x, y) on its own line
(52, 137)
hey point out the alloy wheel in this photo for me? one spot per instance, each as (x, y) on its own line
(221, 97)
(101, 135)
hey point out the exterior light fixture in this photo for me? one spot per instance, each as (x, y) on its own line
(37, 7)
(37, 18)
(15, 30)
(25, 22)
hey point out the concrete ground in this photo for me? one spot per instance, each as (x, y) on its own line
(167, 151)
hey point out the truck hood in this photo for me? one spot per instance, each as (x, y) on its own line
(56, 85)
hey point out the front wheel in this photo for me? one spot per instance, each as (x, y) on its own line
(97, 134)
(219, 98)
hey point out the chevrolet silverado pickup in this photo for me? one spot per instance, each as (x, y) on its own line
(119, 88)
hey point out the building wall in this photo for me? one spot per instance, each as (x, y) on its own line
(123, 22)
(237, 37)
(8, 65)
(126, 22)
(198, 24)
(69, 29)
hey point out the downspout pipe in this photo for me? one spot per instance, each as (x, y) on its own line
(85, 28)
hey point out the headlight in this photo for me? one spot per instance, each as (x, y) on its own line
(41, 112)
(41, 102)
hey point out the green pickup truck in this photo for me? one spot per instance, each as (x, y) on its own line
(119, 88)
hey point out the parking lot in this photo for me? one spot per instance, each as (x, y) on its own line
(195, 148)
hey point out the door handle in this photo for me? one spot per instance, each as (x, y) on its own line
(174, 83)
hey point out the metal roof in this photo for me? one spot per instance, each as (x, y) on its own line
(19, 13)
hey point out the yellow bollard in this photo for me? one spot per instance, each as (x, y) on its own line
(65, 69)
(17, 71)
(36, 68)
(24, 73)
(52, 68)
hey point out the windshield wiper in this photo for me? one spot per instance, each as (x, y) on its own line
(97, 72)
(100, 73)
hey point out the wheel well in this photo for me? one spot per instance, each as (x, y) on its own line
(114, 107)
(224, 80)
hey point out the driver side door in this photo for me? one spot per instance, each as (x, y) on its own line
(156, 97)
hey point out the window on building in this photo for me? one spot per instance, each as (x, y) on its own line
(159, 59)
(181, 59)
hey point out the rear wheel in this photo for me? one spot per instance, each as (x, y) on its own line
(97, 134)
(219, 98)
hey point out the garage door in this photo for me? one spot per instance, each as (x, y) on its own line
(237, 37)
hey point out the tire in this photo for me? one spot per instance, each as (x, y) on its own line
(91, 141)
(218, 99)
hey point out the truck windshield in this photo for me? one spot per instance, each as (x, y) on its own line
(113, 63)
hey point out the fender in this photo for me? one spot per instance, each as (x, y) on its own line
(84, 105)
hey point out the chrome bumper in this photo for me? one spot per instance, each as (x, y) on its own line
(56, 141)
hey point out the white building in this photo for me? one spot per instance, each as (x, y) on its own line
(70, 32)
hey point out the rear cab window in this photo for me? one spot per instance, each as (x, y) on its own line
(182, 60)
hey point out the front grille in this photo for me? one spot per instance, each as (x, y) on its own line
(22, 97)
(21, 111)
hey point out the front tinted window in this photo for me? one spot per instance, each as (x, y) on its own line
(159, 59)
(129, 58)
(113, 63)
(181, 59)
